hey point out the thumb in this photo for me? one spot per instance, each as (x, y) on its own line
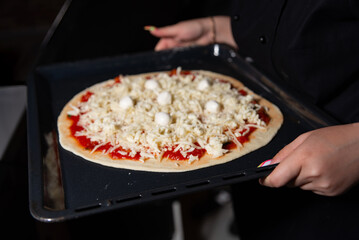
(286, 171)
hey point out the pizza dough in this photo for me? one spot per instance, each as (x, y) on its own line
(167, 121)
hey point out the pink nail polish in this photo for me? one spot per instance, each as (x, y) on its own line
(265, 163)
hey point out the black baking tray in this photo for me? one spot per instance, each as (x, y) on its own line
(86, 188)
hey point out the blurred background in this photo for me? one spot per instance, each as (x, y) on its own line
(89, 29)
(41, 32)
(23, 26)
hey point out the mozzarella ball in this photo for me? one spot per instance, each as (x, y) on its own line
(164, 98)
(212, 106)
(162, 118)
(126, 102)
(203, 85)
(151, 84)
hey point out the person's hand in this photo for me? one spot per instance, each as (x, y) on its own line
(325, 161)
(202, 31)
(191, 32)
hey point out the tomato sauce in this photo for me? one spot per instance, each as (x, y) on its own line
(171, 154)
(242, 139)
(183, 72)
(243, 92)
(263, 115)
(86, 142)
(117, 79)
(117, 154)
(86, 96)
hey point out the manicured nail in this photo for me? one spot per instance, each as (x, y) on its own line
(265, 163)
(150, 28)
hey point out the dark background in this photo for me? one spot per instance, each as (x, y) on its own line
(89, 29)
(23, 25)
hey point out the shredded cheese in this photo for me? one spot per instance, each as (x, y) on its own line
(180, 112)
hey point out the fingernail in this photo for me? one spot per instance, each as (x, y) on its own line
(265, 163)
(150, 28)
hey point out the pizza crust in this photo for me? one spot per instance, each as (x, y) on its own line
(257, 139)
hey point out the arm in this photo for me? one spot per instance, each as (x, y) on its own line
(201, 31)
(325, 161)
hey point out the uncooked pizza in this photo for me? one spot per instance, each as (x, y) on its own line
(167, 121)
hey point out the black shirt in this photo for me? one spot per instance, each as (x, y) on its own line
(311, 44)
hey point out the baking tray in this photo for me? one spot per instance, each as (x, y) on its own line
(67, 186)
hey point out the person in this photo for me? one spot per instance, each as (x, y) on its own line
(324, 161)
(313, 47)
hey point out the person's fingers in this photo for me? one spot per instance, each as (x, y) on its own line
(165, 32)
(282, 174)
(287, 150)
(299, 181)
(293, 169)
(324, 161)
(324, 186)
(166, 43)
(314, 188)
(289, 167)
(289, 171)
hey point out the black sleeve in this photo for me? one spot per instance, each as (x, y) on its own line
(310, 45)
